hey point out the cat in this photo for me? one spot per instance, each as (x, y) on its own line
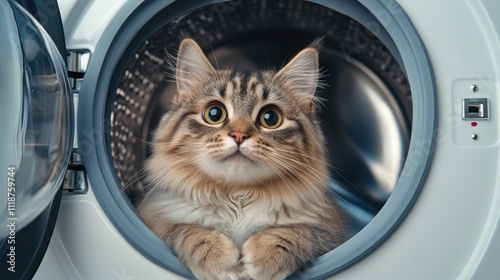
(237, 180)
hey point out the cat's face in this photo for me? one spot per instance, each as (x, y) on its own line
(241, 128)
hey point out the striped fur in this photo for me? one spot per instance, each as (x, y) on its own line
(257, 210)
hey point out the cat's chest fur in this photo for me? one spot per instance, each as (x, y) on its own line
(236, 217)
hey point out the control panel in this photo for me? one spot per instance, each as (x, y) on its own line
(474, 122)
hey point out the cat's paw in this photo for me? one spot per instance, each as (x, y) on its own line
(265, 259)
(214, 256)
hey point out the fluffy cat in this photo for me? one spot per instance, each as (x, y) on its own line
(237, 177)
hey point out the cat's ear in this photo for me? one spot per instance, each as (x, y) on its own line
(300, 75)
(192, 67)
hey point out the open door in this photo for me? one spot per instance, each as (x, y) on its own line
(36, 132)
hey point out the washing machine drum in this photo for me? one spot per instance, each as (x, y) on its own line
(367, 93)
(378, 100)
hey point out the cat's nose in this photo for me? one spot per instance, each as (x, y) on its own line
(239, 137)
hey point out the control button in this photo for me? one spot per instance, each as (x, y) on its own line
(475, 108)
(474, 88)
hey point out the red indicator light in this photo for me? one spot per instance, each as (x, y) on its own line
(474, 124)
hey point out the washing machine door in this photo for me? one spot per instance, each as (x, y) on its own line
(36, 132)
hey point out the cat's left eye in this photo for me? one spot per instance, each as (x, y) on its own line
(270, 118)
(215, 114)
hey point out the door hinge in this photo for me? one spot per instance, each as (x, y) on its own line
(75, 181)
(77, 62)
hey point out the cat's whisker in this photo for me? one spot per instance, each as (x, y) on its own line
(131, 181)
(321, 161)
(289, 170)
(146, 142)
(305, 156)
(148, 194)
(292, 171)
(172, 166)
(335, 169)
(286, 181)
(319, 196)
(301, 164)
(317, 174)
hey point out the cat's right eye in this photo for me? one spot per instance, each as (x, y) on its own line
(214, 114)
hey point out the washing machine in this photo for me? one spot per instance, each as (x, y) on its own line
(410, 117)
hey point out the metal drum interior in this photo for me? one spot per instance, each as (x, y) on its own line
(367, 112)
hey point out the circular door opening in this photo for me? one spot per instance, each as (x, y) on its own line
(377, 135)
